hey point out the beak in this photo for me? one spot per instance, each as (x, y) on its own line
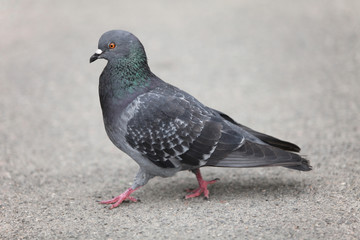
(96, 55)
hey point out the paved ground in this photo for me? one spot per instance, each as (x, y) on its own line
(289, 69)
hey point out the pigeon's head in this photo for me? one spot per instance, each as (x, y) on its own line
(118, 45)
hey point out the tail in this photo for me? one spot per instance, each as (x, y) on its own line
(260, 155)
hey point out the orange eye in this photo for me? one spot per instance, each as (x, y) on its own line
(112, 45)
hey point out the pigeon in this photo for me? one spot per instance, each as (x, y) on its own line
(166, 130)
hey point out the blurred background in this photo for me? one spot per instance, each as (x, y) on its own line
(289, 69)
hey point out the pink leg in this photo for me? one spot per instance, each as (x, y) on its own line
(119, 199)
(202, 186)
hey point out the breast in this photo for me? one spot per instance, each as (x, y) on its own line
(116, 120)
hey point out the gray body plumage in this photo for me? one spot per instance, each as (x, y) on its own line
(166, 130)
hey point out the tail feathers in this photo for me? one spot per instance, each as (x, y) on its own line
(303, 166)
(258, 155)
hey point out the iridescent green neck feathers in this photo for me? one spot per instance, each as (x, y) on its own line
(126, 75)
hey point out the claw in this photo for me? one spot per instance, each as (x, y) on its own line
(119, 199)
(202, 189)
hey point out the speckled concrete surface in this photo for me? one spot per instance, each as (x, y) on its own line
(291, 70)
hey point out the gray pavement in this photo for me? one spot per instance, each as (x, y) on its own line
(289, 69)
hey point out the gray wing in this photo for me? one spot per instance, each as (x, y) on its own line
(275, 142)
(171, 129)
(174, 129)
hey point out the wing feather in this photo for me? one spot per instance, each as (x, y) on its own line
(171, 128)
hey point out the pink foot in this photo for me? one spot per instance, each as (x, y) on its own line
(202, 186)
(122, 197)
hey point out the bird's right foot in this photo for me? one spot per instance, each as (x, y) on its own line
(119, 199)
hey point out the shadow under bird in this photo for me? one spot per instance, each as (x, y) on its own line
(166, 130)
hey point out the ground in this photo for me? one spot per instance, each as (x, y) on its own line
(289, 69)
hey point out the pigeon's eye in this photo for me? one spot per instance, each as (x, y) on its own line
(112, 45)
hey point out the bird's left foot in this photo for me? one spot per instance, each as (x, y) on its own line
(119, 199)
(202, 187)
